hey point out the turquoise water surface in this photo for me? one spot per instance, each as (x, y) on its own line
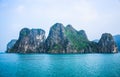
(60, 65)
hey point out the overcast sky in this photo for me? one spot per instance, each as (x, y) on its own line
(93, 16)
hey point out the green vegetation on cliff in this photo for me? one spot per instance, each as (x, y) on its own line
(78, 41)
(60, 40)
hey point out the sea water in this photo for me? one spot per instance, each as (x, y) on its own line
(60, 65)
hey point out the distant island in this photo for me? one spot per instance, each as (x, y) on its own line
(62, 40)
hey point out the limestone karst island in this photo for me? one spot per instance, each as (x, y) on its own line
(61, 39)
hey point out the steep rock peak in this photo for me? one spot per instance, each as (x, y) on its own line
(24, 32)
(107, 37)
(107, 44)
(56, 39)
(83, 34)
(30, 41)
(57, 25)
(69, 27)
(56, 30)
(81, 31)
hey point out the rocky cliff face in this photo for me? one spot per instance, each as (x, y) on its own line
(92, 47)
(107, 44)
(30, 41)
(66, 39)
(10, 45)
(61, 40)
(56, 41)
(77, 39)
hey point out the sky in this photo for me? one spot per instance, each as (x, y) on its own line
(94, 16)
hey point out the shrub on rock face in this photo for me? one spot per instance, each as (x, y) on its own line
(78, 39)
